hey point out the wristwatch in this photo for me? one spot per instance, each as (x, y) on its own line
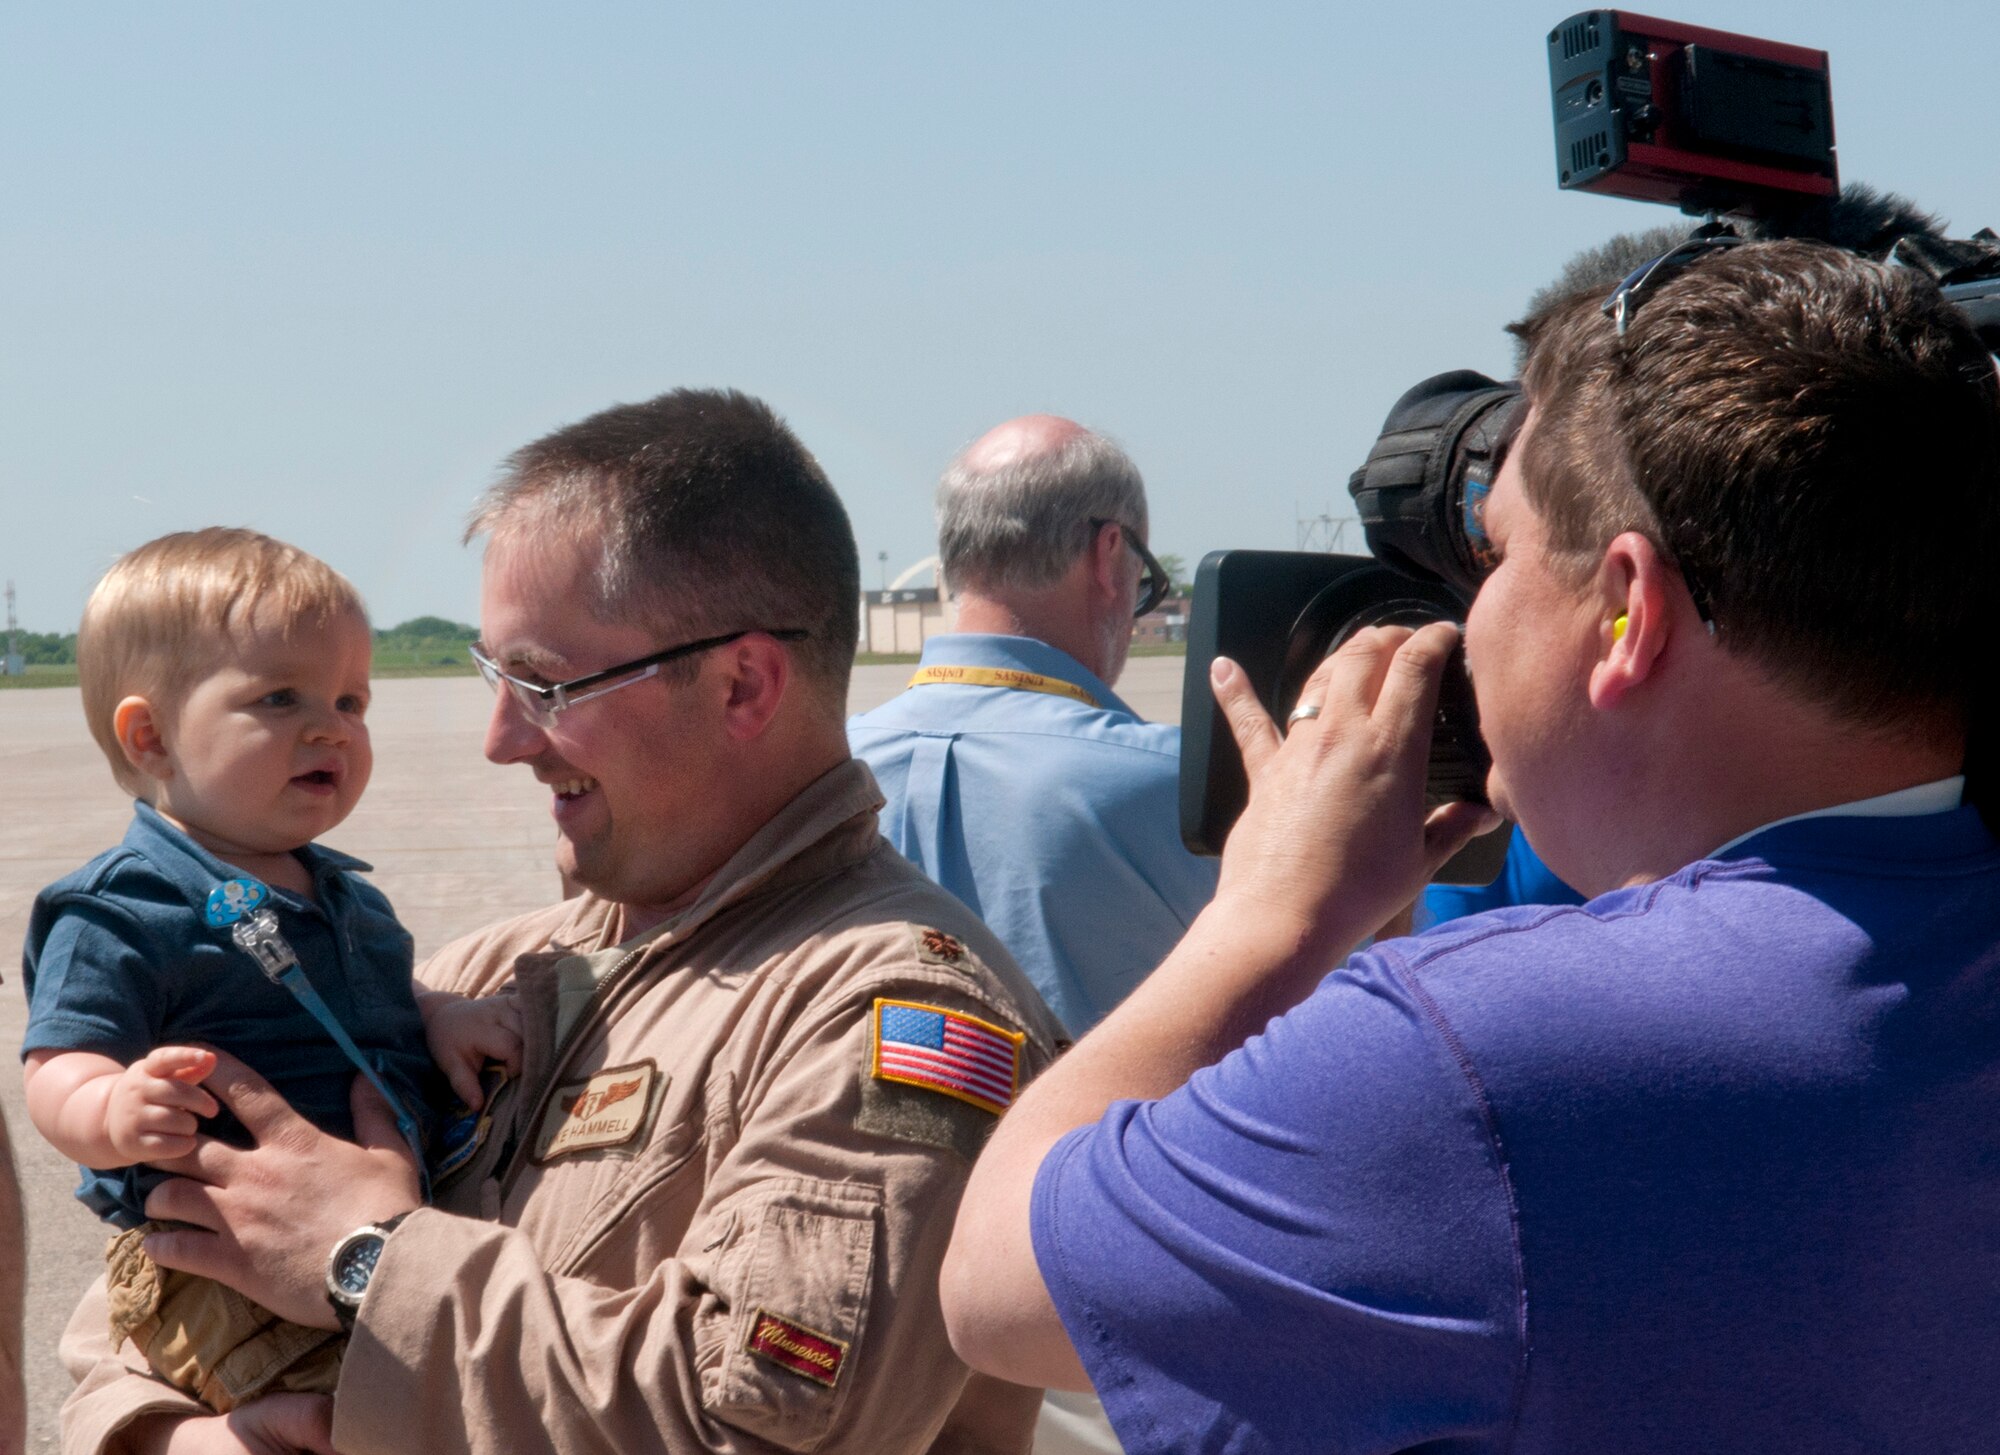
(352, 1264)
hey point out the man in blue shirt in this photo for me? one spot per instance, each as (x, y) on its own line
(1014, 775)
(1708, 1163)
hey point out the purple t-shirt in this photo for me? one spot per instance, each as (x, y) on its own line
(1711, 1164)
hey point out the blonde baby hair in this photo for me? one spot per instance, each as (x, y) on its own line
(160, 618)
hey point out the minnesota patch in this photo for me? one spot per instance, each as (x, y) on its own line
(947, 1051)
(793, 1346)
(611, 1109)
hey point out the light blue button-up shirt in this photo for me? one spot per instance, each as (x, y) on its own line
(1056, 822)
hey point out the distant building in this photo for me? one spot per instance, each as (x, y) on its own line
(1166, 622)
(903, 618)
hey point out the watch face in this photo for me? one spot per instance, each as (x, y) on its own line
(355, 1264)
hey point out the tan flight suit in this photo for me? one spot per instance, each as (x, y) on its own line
(706, 1222)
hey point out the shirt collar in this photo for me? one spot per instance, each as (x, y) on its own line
(1024, 654)
(195, 871)
(830, 825)
(1940, 796)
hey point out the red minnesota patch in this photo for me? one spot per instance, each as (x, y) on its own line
(804, 1351)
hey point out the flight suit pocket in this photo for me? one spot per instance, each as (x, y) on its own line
(796, 1326)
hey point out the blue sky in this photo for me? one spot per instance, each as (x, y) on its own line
(317, 269)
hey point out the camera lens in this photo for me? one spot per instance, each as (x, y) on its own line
(1379, 597)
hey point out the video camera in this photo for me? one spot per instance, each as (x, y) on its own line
(1712, 122)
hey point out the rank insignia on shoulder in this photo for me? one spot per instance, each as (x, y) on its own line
(939, 948)
(947, 1051)
(795, 1347)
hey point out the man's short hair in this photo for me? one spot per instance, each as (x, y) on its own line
(708, 517)
(1814, 439)
(1024, 524)
(162, 616)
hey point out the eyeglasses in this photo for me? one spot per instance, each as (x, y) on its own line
(1154, 583)
(542, 703)
(1650, 277)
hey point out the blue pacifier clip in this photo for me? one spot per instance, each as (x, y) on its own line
(239, 906)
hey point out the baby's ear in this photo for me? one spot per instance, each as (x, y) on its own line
(138, 730)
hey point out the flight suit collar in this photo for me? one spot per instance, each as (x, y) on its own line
(830, 825)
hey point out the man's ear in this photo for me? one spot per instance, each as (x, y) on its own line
(1107, 563)
(760, 673)
(139, 731)
(1637, 591)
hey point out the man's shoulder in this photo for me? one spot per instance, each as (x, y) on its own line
(1038, 737)
(1734, 958)
(477, 963)
(122, 880)
(879, 923)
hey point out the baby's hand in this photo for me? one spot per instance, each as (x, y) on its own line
(150, 1114)
(465, 1034)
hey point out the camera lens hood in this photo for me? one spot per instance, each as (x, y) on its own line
(1411, 492)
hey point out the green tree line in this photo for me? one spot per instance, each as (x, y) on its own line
(422, 640)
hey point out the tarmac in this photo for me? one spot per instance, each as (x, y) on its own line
(456, 843)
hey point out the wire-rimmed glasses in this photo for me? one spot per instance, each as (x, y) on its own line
(542, 702)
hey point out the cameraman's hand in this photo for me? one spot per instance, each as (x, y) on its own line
(1336, 837)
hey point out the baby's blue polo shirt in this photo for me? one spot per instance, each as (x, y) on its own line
(119, 960)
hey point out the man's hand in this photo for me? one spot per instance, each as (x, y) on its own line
(1336, 837)
(265, 1218)
(277, 1424)
(151, 1113)
(465, 1033)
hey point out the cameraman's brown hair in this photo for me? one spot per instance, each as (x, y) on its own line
(1814, 439)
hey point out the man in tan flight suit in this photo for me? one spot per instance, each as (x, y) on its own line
(760, 1051)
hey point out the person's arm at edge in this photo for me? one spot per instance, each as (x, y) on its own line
(13, 1280)
(1335, 839)
(120, 1408)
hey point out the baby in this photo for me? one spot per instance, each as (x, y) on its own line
(225, 676)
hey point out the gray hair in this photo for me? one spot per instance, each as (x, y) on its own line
(1023, 525)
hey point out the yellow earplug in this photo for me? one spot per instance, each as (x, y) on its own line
(1618, 625)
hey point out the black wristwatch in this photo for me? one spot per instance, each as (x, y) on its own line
(352, 1264)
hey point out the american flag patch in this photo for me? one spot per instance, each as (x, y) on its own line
(942, 1050)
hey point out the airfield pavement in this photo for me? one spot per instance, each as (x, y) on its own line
(456, 843)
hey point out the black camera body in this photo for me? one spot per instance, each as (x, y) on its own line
(1278, 614)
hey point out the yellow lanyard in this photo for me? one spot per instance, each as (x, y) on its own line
(1008, 677)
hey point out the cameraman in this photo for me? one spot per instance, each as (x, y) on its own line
(1712, 1163)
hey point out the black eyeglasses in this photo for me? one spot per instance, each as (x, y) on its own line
(1154, 583)
(542, 703)
(1650, 277)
